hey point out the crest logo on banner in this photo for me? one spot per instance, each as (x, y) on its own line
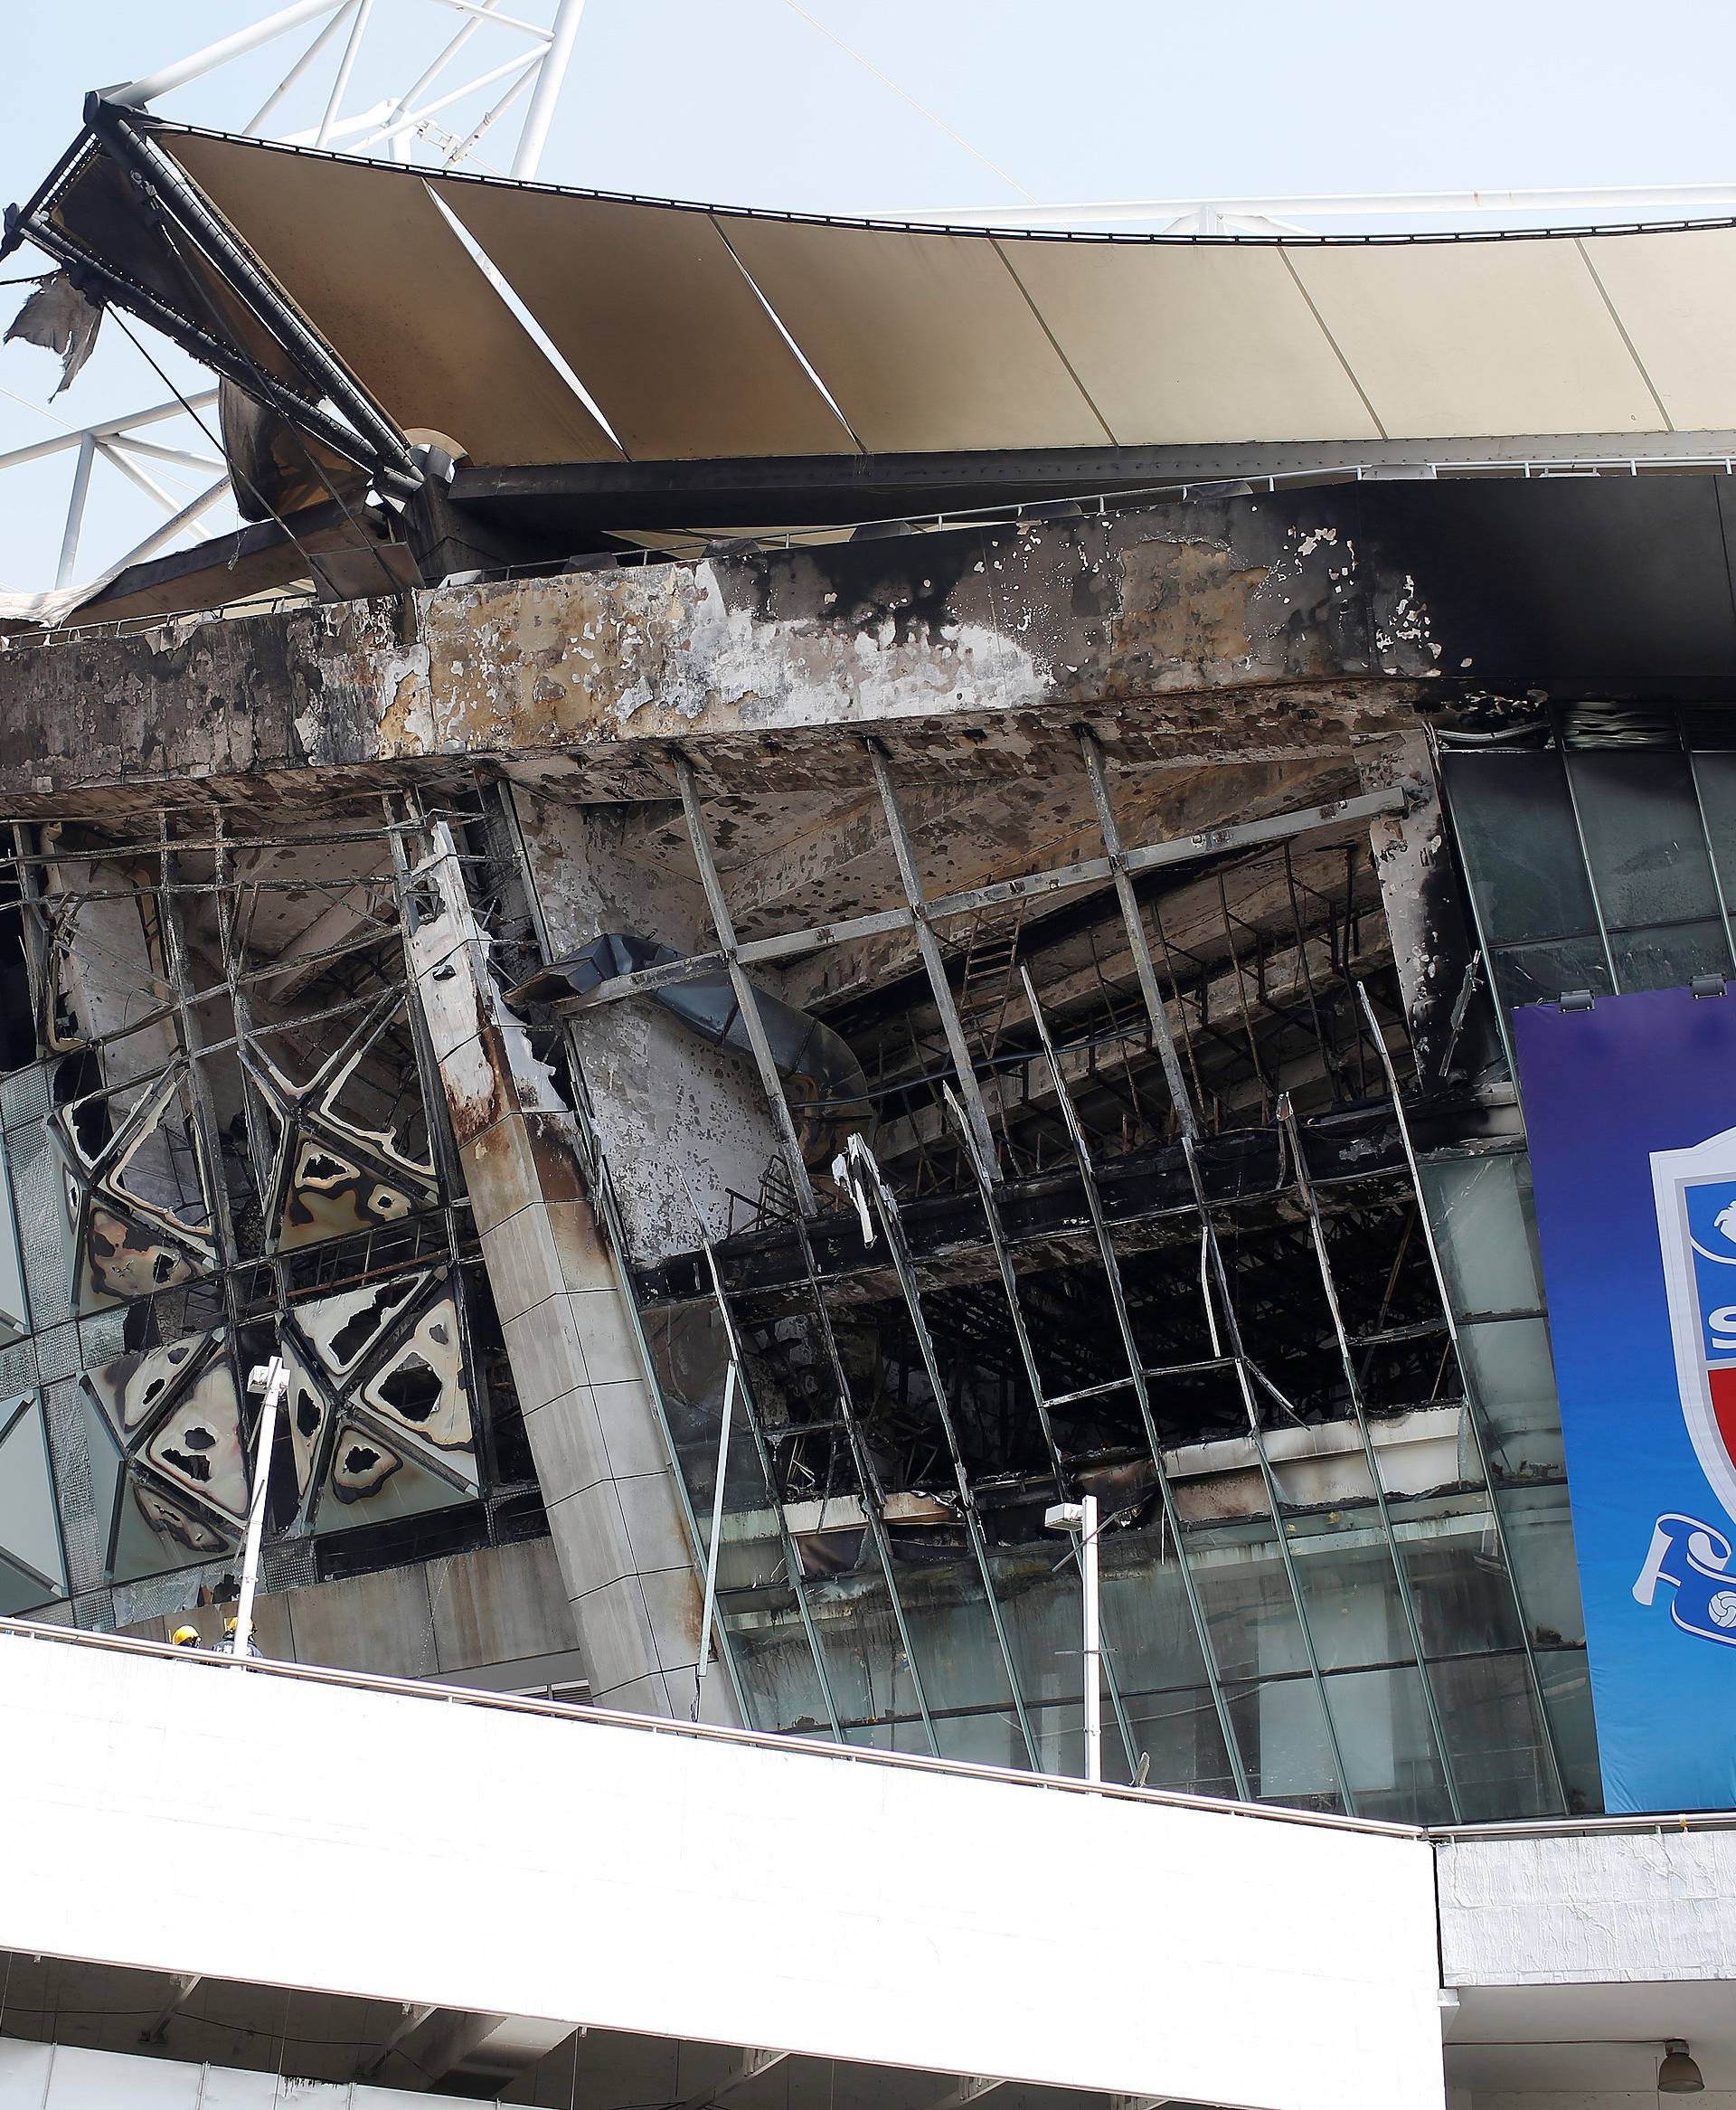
(1695, 1194)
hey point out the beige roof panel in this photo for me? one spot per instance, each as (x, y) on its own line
(370, 259)
(1676, 297)
(1451, 339)
(1177, 344)
(657, 318)
(703, 334)
(925, 341)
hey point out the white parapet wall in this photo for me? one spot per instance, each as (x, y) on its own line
(1644, 1902)
(190, 1815)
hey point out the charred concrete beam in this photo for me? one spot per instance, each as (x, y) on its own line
(1421, 892)
(1239, 630)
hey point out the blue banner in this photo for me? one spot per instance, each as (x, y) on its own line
(1631, 1112)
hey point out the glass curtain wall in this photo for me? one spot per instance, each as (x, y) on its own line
(1599, 851)
(1306, 1372)
(230, 1143)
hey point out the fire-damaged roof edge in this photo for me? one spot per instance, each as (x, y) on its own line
(318, 393)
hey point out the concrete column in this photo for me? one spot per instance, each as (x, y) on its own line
(619, 1533)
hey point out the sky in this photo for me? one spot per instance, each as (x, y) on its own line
(754, 102)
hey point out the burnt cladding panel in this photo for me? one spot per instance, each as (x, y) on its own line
(1595, 583)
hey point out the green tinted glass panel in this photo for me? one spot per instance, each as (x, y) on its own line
(1643, 833)
(1669, 958)
(1538, 974)
(1515, 828)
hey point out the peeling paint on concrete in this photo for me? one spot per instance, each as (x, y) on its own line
(1168, 606)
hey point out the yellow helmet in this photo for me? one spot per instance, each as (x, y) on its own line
(185, 1637)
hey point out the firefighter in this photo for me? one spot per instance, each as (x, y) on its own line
(185, 1637)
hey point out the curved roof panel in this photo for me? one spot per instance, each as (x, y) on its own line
(1193, 340)
(373, 263)
(690, 332)
(1675, 295)
(655, 313)
(927, 342)
(1447, 339)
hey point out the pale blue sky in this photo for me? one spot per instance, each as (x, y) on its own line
(744, 102)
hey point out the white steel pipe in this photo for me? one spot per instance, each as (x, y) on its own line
(160, 538)
(294, 73)
(1093, 1651)
(485, 11)
(517, 63)
(277, 1383)
(1643, 201)
(109, 428)
(714, 1550)
(75, 512)
(345, 67)
(114, 457)
(145, 89)
(551, 74)
(176, 454)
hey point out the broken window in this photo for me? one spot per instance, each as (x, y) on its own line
(224, 1146)
(1137, 1217)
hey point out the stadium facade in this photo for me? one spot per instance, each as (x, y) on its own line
(806, 889)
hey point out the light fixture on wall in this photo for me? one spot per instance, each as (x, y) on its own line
(1678, 2075)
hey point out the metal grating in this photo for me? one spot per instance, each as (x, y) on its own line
(23, 1097)
(57, 1353)
(69, 1448)
(287, 1564)
(41, 1226)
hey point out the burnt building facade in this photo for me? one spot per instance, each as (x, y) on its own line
(995, 1013)
(740, 1063)
(804, 891)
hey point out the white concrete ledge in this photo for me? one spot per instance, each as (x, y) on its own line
(497, 1857)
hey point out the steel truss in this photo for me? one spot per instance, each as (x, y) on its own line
(324, 37)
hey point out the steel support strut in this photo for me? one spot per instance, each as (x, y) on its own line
(867, 1172)
(1473, 1410)
(1188, 1123)
(551, 74)
(1141, 1393)
(748, 1003)
(929, 946)
(1032, 1375)
(737, 1377)
(1354, 1389)
(747, 1000)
